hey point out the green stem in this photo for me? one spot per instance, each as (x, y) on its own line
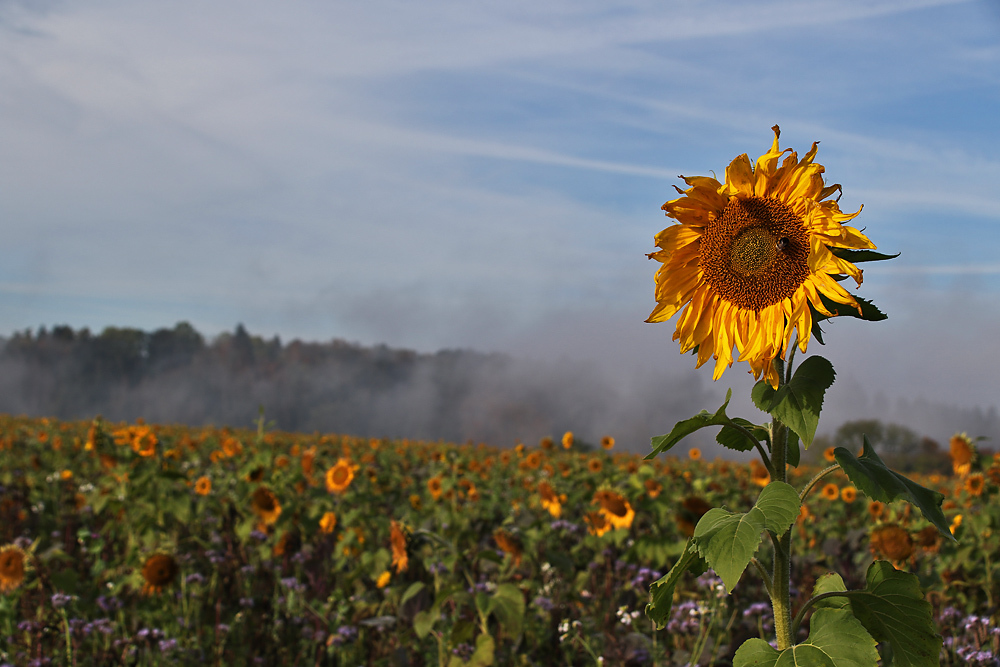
(781, 579)
(815, 480)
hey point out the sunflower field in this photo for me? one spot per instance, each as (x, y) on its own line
(142, 544)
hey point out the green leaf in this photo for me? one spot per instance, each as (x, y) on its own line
(892, 608)
(869, 311)
(792, 452)
(836, 639)
(798, 403)
(855, 256)
(831, 582)
(727, 541)
(483, 656)
(662, 443)
(878, 482)
(734, 439)
(507, 604)
(414, 588)
(661, 591)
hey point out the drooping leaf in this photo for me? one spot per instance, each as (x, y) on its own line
(836, 639)
(727, 540)
(798, 403)
(661, 591)
(878, 482)
(507, 604)
(662, 443)
(869, 311)
(737, 440)
(856, 256)
(793, 453)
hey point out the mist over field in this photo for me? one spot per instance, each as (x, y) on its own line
(177, 376)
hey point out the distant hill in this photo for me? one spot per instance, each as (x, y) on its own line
(177, 376)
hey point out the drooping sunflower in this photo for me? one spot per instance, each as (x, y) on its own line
(616, 508)
(13, 565)
(509, 544)
(339, 477)
(159, 571)
(962, 450)
(892, 542)
(550, 500)
(755, 258)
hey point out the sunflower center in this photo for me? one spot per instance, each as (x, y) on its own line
(339, 476)
(756, 253)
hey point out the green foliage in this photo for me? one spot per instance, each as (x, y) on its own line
(733, 438)
(798, 403)
(875, 480)
(727, 541)
(892, 609)
(661, 592)
(836, 639)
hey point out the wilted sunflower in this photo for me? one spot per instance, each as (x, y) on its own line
(339, 477)
(159, 571)
(963, 453)
(397, 539)
(615, 508)
(508, 544)
(13, 565)
(203, 486)
(752, 259)
(265, 505)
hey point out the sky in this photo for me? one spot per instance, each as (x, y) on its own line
(489, 175)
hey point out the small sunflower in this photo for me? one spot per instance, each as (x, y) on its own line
(550, 499)
(616, 508)
(848, 494)
(435, 487)
(828, 454)
(974, 485)
(653, 488)
(963, 453)
(831, 491)
(265, 505)
(567, 440)
(328, 522)
(203, 486)
(339, 477)
(754, 258)
(13, 565)
(383, 579)
(595, 465)
(694, 454)
(607, 442)
(545, 443)
(159, 571)
(876, 509)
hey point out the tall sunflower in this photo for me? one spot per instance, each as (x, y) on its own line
(13, 564)
(756, 258)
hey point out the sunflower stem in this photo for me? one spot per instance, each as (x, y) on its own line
(781, 579)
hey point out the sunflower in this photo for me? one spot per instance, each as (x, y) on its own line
(13, 564)
(383, 579)
(328, 522)
(397, 539)
(597, 523)
(308, 458)
(831, 491)
(892, 542)
(158, 571)
(963, 453)
(339, 477)
(615, 508)
(508, 544)
(694, 454)
(533, 460)
(876, 509)
(434, 487)
(653, 488)
(607, 442)
(550, 499)
(753, 258)
(545, 443)
(595, 465)
(567, 440)
(265, 505)
(848, 494)
(828, 454)
(974, 484)
(203, 486)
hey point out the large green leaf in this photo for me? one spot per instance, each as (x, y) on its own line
(662, 443)
(878, 482)
(836, 639)
(727, 541)
(661, 591)
(507, 604)
(798, 403)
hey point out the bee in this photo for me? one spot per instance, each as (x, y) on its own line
(783, 243)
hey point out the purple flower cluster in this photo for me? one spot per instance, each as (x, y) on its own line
(686, 618)
(345, 635)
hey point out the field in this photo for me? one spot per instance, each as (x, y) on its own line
(141, 544)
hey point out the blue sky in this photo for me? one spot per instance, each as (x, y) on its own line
(490, 174)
